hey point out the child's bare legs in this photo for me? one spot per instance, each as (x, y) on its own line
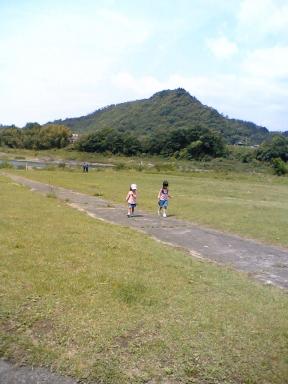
(164, 211)
(131, 208)
(162, 208)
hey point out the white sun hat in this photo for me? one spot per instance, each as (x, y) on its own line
(133, 186)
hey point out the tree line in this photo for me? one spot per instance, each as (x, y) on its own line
(189, 143)
(35, 136)
(192, 143)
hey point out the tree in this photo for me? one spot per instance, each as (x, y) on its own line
(11, 137)
(110, 140)
(33, 136)
(277, 148)
(54, 136)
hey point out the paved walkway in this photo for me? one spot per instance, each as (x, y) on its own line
(12, 374)
(266, 263)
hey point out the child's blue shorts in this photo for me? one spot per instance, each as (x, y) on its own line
(131, 205)
(163, 203)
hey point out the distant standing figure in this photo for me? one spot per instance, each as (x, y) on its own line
(131, 199)
(163, 198)
(85, 167)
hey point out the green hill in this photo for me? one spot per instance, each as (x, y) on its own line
(166, 110)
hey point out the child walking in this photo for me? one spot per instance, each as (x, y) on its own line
(131, 199)
(163, 197)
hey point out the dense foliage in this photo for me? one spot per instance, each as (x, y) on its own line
(110, 140)
(33, 136)
(167, 110)
(276, 148)
(279, 166)
(190, 143)
(275, 151)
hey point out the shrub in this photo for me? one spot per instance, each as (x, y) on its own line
(6, 164)
(276, 149)
(120, 166)
(279, 166)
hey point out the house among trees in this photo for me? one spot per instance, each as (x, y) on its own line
(74, 137)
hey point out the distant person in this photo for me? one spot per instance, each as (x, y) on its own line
(85, 167)
(163, 198)
(131, 199)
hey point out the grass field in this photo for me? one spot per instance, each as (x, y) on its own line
(254, 206)
(82, 298)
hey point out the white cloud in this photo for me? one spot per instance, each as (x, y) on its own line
(57, 63)
(268, 62)
(222, 47)
(140, 86)
(262, 17)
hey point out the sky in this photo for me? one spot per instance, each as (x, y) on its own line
(67, 58)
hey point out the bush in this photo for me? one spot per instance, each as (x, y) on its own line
(276, 149)
(6, 164)
(279, 166)
(120, 166)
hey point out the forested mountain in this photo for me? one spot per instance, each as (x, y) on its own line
(164, 111)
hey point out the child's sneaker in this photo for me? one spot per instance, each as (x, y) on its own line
(164, 214)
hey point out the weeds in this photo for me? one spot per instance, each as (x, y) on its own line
(120, 166)
(51, 195)
(6, 165)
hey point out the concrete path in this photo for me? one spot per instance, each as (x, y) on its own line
(12, 374)
(266, 263)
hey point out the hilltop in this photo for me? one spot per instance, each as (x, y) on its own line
(166, 110)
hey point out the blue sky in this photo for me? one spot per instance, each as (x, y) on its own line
(68, 58)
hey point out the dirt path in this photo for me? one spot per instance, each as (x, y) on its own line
(266, 263)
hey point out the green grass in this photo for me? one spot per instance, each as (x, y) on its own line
(254, 206)
(94, 301)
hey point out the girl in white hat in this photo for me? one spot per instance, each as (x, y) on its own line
(131, 199)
